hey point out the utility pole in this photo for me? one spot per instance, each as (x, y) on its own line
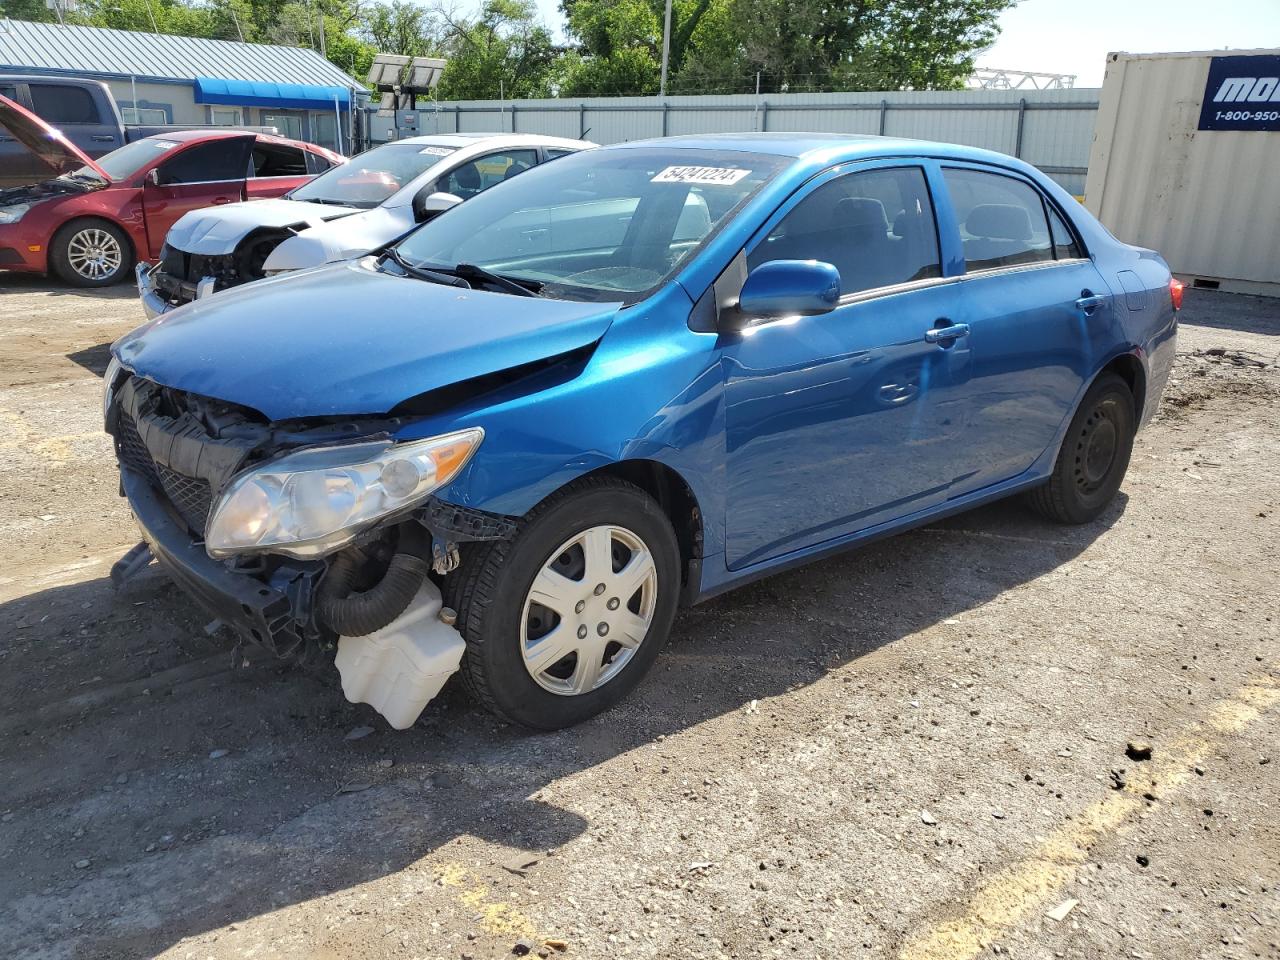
(666, 50)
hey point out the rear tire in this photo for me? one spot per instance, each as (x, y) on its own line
(1094, 455)
(91, 253)
(513, 664)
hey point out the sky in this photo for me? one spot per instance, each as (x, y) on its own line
(1075, 36)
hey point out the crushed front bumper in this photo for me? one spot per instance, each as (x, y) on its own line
(158, 292)
(265, 612)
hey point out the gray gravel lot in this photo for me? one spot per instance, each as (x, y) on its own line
(914, 751)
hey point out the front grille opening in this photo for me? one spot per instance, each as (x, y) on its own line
(191, 497)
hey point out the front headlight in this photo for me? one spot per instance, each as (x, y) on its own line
(13, 212)
(312, 502)
(109, 385)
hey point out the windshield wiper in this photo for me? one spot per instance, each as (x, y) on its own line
(521, 288)
(336, 203)
(420, 274)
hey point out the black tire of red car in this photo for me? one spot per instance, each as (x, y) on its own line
(1094, 455)
(490, 588)
(91, 252)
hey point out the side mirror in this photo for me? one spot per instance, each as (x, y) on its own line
(153, 176)
(788, 288)
(433, 204)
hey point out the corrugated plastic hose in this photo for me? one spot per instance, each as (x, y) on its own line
(357, 614)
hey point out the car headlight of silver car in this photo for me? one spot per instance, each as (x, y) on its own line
(310, 503)
(109, 385)
(13, 212)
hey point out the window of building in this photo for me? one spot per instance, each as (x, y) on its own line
(1002, 220)
(877, 228)
(226, 116)
(286, 125)
(57, 103)
(148, 116)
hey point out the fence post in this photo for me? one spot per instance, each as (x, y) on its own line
(664, 118)
(513, 116)
(884, 109)
(764, 116)
(582, 121)
(1022, 118)
(457, 119)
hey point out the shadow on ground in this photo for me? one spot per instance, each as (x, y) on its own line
(1227, 311)
(114, 703)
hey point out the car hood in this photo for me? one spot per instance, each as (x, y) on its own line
(340, 239)
(216, 230)
(53, 149)
(346, 339)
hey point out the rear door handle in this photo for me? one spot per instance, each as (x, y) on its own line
(1090, 302)
(103, 138)
(952, 331)
(218, 201)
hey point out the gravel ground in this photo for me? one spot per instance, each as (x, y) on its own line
(914, 751)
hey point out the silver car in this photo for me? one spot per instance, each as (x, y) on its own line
(345, 212)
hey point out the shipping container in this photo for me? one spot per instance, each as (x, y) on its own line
(1186, 160)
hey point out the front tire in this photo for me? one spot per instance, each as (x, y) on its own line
(91, 253)
(1094, 455)
(563, 620)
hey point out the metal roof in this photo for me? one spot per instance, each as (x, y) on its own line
(103, 52)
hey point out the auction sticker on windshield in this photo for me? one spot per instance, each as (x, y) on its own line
(720, 175)
(436, 151)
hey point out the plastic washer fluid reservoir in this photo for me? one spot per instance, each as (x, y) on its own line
(398, 669)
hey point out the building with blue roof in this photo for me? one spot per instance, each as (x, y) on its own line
(160, 78)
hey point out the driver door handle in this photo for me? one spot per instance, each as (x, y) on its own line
(951, 331)
(1090, 301)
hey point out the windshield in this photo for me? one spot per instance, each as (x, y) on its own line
(598, 225)
(373, 176)
(123, 163)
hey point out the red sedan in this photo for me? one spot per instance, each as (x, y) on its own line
(92, 220)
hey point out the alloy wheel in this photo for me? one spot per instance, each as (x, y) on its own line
(94, 253)
(588, 610)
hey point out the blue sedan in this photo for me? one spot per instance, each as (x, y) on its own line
(513, 442)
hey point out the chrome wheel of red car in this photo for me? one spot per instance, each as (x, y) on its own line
(91, 253)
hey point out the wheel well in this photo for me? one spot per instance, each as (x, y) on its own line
(673, 495)
(1129, 369)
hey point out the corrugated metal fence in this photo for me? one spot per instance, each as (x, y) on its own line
(1052, 129)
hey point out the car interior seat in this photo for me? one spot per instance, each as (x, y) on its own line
(467, 181)
(997, 233)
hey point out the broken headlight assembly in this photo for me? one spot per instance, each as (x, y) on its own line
(314, 501)
(13, 212)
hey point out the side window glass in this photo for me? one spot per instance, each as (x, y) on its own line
(554, 154)
(205, 162)
(275, 160)
(1064, 241)
(317, 163)
(10, 92)
(1002, 220)
(56, 103)
(876, 228)
(482, 173)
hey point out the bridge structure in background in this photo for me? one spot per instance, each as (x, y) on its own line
(993, 78)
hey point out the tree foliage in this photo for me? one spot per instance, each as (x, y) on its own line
(501, 49)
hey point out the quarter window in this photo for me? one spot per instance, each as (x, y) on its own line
(876, 227)
(1064, 241)
(1002, 220)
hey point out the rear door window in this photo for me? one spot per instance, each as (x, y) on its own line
(218, 160)
(278, 160)
(876, 227)
(56, 103)
(1065, 246)
(1002, 220)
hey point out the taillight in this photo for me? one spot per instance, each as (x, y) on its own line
(1175, 292)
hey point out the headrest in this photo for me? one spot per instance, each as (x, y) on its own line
(468, 176)
(861, 213)
(810, 215)
(999, 221)
(515, 168)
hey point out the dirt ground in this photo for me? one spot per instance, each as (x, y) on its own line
(915, 751)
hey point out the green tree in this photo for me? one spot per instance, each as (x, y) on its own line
(503, 52)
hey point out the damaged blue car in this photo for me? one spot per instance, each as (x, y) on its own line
(512, 443)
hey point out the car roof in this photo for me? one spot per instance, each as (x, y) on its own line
(830, 146)
(466, 139)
